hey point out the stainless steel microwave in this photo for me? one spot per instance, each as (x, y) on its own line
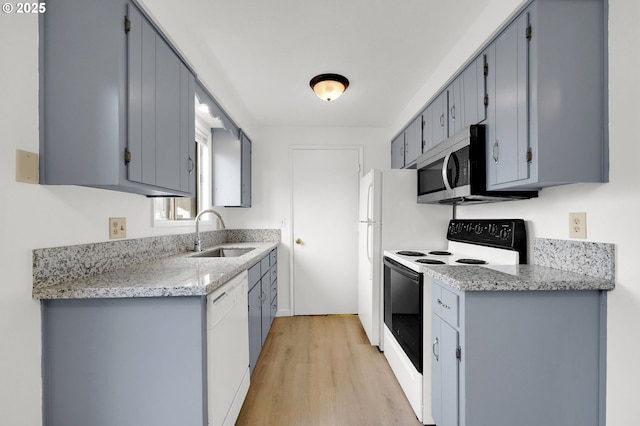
(455, 172)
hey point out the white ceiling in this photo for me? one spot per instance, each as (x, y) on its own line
(266, 51)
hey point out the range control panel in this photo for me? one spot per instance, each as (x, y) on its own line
(500, 233)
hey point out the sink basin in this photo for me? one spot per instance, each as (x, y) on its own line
(224, 252)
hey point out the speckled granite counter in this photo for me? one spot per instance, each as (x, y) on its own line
(558, 265)
(64, 273)
(515, 278)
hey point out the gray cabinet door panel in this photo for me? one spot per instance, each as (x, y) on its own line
(265, 313)
(473, 88)
(455, 108)
(413, 141)
(255, 325)
(450, 373)
(245, 197)
(510, 143)
(397, 152)
(135, 81)
(167, 116)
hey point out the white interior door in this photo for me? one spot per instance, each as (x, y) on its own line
(325, 185)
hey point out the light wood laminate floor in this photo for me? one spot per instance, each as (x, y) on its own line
(321, 370)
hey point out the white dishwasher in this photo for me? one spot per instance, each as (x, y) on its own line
(227, 350)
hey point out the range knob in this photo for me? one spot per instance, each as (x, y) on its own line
(505, 233)
(478, 229)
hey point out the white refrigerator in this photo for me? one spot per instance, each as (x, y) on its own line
(391, 219)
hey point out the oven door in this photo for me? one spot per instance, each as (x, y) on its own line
(403, 308)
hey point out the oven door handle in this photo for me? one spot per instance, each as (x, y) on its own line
(401, 269)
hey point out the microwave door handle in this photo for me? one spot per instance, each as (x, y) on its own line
(445, 179)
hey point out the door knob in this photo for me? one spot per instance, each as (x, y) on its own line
(298, 241)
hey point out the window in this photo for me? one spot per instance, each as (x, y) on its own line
(180, 209)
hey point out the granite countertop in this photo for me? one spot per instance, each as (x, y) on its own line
(515, 278)
(177, 275)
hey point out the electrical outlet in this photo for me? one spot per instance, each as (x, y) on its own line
(117, 227)
(578, 225)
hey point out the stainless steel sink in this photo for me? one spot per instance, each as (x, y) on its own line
(223, 252)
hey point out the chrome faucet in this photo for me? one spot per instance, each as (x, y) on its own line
(196, 245)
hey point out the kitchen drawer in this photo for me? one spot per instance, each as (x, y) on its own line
(254, 275)
(445, 304)
(264, 265)
(274, 273)
(273, 256)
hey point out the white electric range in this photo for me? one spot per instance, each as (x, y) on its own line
(407, 295)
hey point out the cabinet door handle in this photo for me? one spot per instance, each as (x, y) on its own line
(191, 165)
(496, 151)
(433, 349)
(442, 120)
(453, 112)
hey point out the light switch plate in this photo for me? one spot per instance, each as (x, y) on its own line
(117, 227)
(26, 166)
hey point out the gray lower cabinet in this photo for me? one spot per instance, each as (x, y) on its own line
(231, 160)
(547, 97)
(117, 108)
(263, 304)
(526, 358)
(137, 361)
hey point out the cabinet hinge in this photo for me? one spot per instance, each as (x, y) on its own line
(527, 32)
(127, 25)
(127, 156)
(459, 353)
(486, 100)
(529, 155)
(486, 70)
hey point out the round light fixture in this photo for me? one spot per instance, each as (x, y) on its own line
(329, 86)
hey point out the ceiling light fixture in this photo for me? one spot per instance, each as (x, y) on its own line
(329, 86)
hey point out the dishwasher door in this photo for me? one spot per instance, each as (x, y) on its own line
(227, 350)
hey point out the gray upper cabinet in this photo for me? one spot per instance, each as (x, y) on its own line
(473, 93)
(245, 196)
(547, 98)
(507, 126)
(407, 146)
(160, 110)
(436, 121)
(231, 159)
(89, 135)
(397, 152)
(539, 87)
(413, 142)
(455, 107)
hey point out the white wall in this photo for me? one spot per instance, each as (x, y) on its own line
(272, 186)
(33, 216)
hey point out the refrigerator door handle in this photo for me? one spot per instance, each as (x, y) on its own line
(369, 206)
(370, 249)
